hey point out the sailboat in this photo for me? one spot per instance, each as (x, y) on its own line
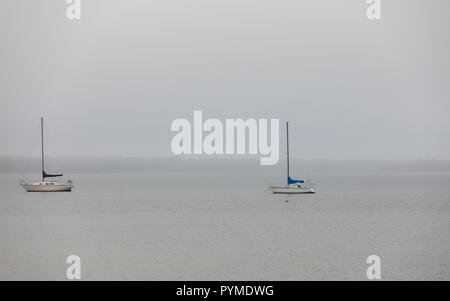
(46, 186)
(292, 186)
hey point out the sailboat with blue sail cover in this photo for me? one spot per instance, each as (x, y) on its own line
(292, 186)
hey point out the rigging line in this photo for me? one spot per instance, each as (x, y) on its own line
(30, 153)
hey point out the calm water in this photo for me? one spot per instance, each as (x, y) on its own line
(198, 226)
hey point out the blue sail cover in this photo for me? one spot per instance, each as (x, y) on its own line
(292, 181)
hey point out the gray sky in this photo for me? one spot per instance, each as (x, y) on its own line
(111, 83)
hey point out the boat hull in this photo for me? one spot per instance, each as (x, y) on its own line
(291, 190)
(47, 188)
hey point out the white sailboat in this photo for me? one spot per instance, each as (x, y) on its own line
(292, 186)
(46, 186)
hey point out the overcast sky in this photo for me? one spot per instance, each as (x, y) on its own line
(112, 83)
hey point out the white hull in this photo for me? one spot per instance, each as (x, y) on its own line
(290, 190)
(44, 187)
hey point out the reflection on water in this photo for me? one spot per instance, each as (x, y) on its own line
(214, 226)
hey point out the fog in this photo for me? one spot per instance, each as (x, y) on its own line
(30, 167)
(111, 83)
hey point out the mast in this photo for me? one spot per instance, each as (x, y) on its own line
(42, 147)
(287, 152)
